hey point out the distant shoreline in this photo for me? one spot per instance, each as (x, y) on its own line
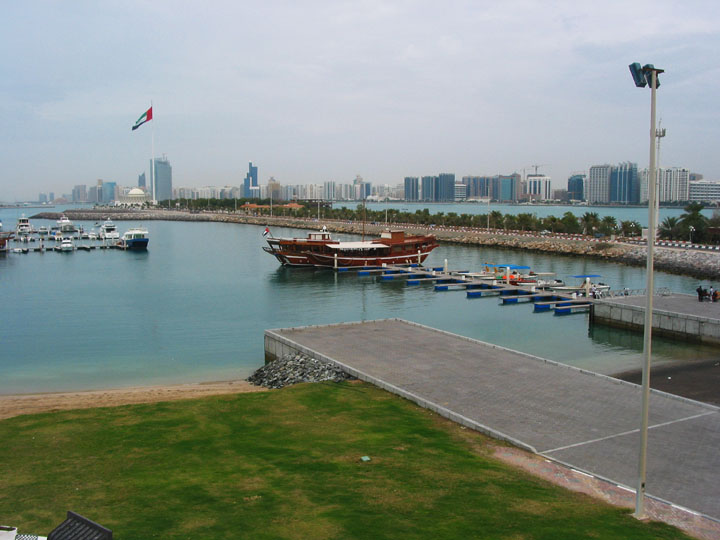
(703, 265)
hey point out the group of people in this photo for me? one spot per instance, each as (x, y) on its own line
(710, 295)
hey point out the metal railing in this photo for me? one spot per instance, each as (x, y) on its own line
(662, 291)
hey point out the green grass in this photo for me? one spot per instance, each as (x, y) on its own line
(284, 464)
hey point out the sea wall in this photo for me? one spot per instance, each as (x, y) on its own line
(700, 264)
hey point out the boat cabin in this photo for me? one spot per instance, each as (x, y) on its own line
(393, 236)
(319, 236)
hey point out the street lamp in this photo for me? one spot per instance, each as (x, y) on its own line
(692, 230)
(647, 74)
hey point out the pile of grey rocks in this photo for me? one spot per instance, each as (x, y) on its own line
(296, 368)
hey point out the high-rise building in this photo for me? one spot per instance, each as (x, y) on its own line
(108, 192)
(329, 191)
(576, 187)
(274, 189)
(94, 194)
(460, 191)
(162, 178)
(539, 187)
(141, 181)
(445, 187)
(478, 187)
(79, 193)
(412, 188)
(625, 183)
(598, 184)
(51, 196)
(506, 187)
(250, 184)
(673, 184)
(704, 191)
(42, 198)
(428, 188)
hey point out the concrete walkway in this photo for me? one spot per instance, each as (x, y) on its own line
(579, 418)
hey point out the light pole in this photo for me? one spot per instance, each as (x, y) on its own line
(692, 230)
(648, 74)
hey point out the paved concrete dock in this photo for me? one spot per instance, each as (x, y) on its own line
(674, 315)
(585, 420)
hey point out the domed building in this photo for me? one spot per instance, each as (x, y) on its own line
(134, 197)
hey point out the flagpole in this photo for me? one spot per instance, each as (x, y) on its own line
(152, 157)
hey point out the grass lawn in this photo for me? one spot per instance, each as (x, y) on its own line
(284, 464)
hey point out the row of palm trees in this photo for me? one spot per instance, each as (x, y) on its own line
(692, 225)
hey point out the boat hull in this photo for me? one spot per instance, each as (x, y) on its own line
(319, 250)
(136, 244)
(345, 261)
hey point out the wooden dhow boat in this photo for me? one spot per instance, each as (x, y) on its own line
(319, 249)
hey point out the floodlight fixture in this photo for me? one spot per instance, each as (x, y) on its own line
(637, 74)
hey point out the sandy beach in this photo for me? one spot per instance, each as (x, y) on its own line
(15, 405)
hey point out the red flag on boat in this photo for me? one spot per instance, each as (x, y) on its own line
(266, 231)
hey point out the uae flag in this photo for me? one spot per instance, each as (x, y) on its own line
(146, 117)
(266, 231)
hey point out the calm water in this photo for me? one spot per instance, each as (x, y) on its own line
(194, 308)
(619, 213)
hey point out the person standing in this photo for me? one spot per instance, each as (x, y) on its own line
(699, 291)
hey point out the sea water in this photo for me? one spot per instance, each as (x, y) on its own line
(195, 305)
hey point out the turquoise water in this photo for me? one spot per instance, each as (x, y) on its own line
(618, 212)
(194, 308)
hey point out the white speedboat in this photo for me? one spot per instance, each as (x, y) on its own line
(135, 238)
(108, 231)
(67, 245)
(586, 287)
(65, 225)
(23, 226)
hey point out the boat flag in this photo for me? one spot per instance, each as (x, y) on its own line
(146, 117)
(266, 231)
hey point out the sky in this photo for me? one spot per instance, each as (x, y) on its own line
(312, 91)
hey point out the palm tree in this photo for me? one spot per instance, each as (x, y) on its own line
(570, 223)
(496, 219)
(552, 223)
(510, 222)
(526, 222)
(630, 228)
(670, 228)
(590, 222)
(693, 218)
(608, 225)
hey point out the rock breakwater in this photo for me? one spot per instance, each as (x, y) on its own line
(296, 368)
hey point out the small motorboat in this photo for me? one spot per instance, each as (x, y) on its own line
(66, 245)
(135, 239)
(585, 288)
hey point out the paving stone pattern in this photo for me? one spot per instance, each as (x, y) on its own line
(589, 421)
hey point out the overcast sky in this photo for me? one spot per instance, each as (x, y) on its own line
(312, 91)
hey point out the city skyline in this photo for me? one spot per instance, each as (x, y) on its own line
(325, 91)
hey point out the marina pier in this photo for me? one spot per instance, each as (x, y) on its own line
(679, 316)
(572, 416)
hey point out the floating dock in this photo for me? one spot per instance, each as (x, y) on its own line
(572, 416)
(476, 286)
